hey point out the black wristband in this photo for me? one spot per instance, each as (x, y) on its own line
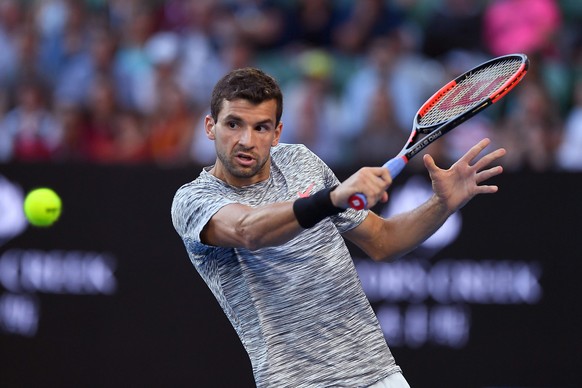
(310, 210)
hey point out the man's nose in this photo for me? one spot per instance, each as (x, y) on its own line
(246, 136)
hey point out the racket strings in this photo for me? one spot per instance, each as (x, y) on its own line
(470, 91)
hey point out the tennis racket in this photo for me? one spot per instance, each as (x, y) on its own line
(454, 103)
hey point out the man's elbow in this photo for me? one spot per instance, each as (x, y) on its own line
(384, 253)
(383, 257)
(248, 236)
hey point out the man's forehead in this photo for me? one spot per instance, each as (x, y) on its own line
(243, 108)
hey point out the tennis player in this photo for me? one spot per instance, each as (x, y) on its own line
(265, 227)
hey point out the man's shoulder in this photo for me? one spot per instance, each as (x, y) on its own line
(286, 148)
(202, 182)
(292, 153)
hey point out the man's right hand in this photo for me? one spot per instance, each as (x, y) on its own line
(372, 182)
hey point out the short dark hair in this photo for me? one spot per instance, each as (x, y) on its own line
(249, 84)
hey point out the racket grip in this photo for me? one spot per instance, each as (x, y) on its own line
(358, 201)
(395, 166)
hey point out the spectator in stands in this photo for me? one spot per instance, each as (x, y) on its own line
(29, 132)
(454, 25)
(381, 136)
(172, 125)
(131, 138)
(311, 115)
(200, 68)
(97, 61)
(259, 22)
(72, 119)
(570, 150)
(409, 79)
(310, 23)
(97, 140)
(532, 130)
(131, 54)
(375, 44)
(64, 27)
(163, 53)
(30, 66)
(12, 17)
(366, 20)
(520, 25)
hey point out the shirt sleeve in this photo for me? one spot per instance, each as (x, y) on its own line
(193, 206)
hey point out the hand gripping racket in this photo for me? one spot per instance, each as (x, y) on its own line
(454, 103)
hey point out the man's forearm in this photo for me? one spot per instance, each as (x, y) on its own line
(408, 230)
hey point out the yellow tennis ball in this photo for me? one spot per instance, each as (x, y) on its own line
(42, 207)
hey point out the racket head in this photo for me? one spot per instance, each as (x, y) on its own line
(454, 103)
(471, 92)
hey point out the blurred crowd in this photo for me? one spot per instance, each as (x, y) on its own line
(128, 81)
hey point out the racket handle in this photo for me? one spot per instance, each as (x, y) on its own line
(358, 201)
(395, 166)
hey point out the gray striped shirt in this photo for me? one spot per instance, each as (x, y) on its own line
(298, 308)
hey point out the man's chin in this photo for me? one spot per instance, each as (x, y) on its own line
(244, 172)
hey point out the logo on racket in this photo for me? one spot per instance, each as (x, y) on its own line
(356, 203)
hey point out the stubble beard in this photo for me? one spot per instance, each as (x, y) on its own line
(239, 171)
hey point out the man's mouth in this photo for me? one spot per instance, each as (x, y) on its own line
(244, 159)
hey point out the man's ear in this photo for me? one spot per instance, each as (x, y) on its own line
(209, 127)
(278, 131)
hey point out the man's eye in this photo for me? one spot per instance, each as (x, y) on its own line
(231, 124)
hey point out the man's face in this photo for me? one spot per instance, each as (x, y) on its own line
(243, 135)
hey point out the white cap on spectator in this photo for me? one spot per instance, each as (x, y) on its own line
(163, 48)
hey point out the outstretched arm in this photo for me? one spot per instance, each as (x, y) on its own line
(242, 226)
(238, 225)
(390, 238)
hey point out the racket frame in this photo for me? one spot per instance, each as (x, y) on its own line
(436, 131)
(412, 147)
